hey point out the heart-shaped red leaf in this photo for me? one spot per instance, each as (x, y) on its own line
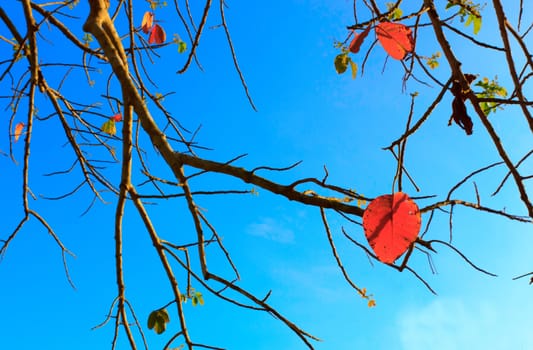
(358, 39)
(117, 117)
(157, 35)
(395, 38)
(391, 224)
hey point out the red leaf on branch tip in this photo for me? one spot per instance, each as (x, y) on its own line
(391, 224)
(148, 20)
(117, 117)
(157, 35)
(18, 130)
(358, 39)
(396, 39)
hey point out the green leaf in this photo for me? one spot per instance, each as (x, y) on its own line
(353, 66)
(468, 20)
(475, 21)
(200, 298)
(491, 89)
(341, 62)
(477, 24)
(87, 39)
(182, 46)
(396, 14)
(432, 61)
(157, 320)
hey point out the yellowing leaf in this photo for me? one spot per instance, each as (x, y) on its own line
(353, 66)
(148, 20)
(157, 320)
(371, 303)
(18, 130)
(341, 63)
(109, 127)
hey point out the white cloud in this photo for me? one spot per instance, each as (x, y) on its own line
(271, 229)
(452, 324)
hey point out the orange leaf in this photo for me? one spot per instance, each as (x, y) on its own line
(391, 224)
(18, 130)
(358, 39)
(371, 303)
(157, 35)
(148, 20)
(117, 117)
(395, 38)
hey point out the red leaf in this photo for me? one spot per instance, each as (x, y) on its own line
(358, 39)
(395, 38)
(391, 224)
(18, 130)
(148, 20)
(157, 35)
(117, 117)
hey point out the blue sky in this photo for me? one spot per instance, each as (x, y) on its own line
(306, 112)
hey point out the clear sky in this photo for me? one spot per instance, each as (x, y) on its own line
(305, 112)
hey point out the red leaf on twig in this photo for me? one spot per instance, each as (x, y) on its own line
(117, 117)
(157, 35)
(396, 39)
(18, 130)
(391, 224)
(358, 39)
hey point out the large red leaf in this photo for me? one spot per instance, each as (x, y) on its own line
(395, 38)
(157, 35)
(358, 39)
(391, 224)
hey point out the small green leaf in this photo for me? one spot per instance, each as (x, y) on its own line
(182, 46)
(341, 62)
(396, 14)
(157, 320)
(491, 89)
(87, 39)
(199, 298)
(432, 61)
